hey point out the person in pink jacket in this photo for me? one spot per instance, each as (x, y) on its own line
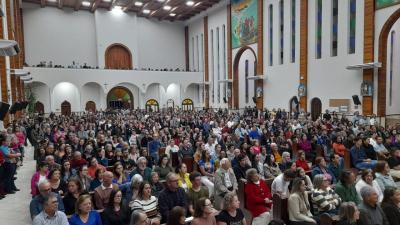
(40, 175)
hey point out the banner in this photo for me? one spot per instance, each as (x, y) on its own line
(244, 22)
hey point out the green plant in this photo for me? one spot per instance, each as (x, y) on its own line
(31, 98)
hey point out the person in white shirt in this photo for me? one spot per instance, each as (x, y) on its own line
(210, 147)
(280, 185)
(367, 179)
(379, 148)
(171, 148)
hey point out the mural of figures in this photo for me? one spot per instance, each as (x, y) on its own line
(244, 22)
(385, 3)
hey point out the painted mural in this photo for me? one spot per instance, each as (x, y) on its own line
(385, 3)
(244, 22)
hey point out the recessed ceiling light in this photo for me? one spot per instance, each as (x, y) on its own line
(172, 14)
(161, 0)
(138, 3)
(167, 7)
(189, 3)
(197, 4)
(86, 3)
(146, 11)
(52, 0)
(106, 0)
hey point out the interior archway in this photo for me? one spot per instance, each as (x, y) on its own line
(234, 99)
(66, 108)
(39, 107)
(118, 57)
(316, 108)
(120, 98)
(90, 106)
(382, 57)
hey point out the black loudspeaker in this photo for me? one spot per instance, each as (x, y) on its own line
(3, 109)
(295, 100)
(254, 99)
(225, 101)
(356, 100)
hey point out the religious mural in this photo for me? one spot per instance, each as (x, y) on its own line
(244, 22)
(385, 3)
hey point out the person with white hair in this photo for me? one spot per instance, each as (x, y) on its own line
(371, 212)
(102, 193)
(50, 214)
(225, 182)
(142, 169)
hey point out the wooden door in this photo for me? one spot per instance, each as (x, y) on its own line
(90, 106)
(118, 57)
(66, 108)
(39, 107)
(316, 108)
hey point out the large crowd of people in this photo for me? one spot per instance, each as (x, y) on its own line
(206, 167)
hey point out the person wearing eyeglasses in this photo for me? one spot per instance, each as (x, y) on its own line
(171, 196)
(36, 205)
(324, 197)
(50, 214)
(204, 213)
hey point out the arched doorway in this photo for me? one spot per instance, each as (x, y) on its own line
(39, 107)
(170, 103)
(152, 105)
(187, 105)
(118, 57)
(316, 108)
(90, 106)
(293, 105)
(120, 98)
(382, 57)
(65, 108)
(235, 85)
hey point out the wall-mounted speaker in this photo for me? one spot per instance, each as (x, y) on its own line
(254, 99)
(356, 100)
(225, 100)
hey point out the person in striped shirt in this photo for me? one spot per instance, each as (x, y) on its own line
(324, 197)
(147, 203)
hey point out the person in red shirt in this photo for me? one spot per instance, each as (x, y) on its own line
(77, 161)
(301, 161)
(258, 198)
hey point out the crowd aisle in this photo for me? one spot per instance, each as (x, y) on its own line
(14, 209)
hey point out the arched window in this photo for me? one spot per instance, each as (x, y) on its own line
(293, 31)
(118, 57)
(246, 80)
(212, 68)
(392, 38)
(65, 108)
(187, 105)
(352, 26)
(281, 28)
(224, 60)
(271, 36)
(334, 37)
(152, 105)
(318, 30)
(218, 68)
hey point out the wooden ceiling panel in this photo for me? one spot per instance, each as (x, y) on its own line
(179, 10)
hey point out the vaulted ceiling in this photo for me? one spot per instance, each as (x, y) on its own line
(159, 9)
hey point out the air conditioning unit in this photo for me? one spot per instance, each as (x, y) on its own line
(8, 47)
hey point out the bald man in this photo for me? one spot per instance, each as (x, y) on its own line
(102, 192)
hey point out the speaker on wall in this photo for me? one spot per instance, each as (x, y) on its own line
(295, 100)
(225, 101)
(254, 99)
(356, 100)
(3, 109)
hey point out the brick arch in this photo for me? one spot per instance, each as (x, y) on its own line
(118, 56)
(235, 82)
(382, 57)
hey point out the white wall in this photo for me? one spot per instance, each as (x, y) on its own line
(65, 91)
(61, 36)
(394, 107)
(42, 94)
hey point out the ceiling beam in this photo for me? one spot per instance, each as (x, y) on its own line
(95, 5)
(112, 5)
(60, 4)
(78, 4)
(42, 3)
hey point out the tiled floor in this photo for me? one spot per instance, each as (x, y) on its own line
(14, 209)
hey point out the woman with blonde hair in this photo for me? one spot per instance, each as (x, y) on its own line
(231, 214)
(348, 213)
(298, 205)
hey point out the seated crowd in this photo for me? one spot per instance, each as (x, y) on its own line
(210, 167)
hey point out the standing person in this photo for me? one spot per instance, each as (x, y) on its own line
(390, 205)
(298, 205)
(231, 213)
(9, 166)
(84, 215)
(50, 214)
(258, 198)
(225, 182)
(116, 212)
(371, 212)
(204, 213)
(171, 196)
